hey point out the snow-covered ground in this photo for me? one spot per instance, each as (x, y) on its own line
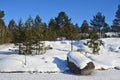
(109, 54)
(97, 75)
(54, 61)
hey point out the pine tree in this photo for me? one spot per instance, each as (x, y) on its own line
(52, 30)
(98, 22)
(20, 35)
(62, 21)
(3, 29)
(29, 38)
(84, 29)
(42, 28)
(94, 43)
(116, 21)
(11, 28)
(2, 14)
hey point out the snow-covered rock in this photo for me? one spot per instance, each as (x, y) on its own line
(79, 64)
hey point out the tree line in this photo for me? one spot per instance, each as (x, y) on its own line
(34, 30)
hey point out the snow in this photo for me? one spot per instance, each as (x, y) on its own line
(109, 57)
(78, 59)
(112, 34)
(112, 44)
(54, 61)
(97, 75)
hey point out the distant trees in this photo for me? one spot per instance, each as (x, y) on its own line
(62, 26)
(34, 30)
(28, 35)
(116, 21)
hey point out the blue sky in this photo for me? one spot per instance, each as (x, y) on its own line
(77, 10)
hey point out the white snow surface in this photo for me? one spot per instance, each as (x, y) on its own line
(55, 60)
(78, 59)
(97, 75)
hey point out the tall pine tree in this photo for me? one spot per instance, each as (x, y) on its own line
(11, 28)
(116, 21)
(98, 22)
(3, 30)
(84, 29)
(62, 21)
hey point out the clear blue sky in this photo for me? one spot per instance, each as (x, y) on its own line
(77, 10)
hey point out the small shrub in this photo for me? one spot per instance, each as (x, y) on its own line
(94, 43)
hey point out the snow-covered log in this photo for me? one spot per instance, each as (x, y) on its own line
(79, 64)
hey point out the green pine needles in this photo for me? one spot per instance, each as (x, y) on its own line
(94, 42)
